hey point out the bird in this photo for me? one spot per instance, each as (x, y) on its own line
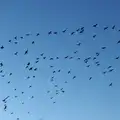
(103, 48)
(105, 28)
(16, 53)
(94, 36)
(109, 67)
(37, 34)
(117, 58)
(118, 42)
(33, 42)
(72, 33)
(30, 68)
(5, 107)
(10, 41)
(74, 77)
(26, 52)
(55, 33)
(64, 30)
(90, 78)
(2, 47)
(50, 32)
(110, 84)
(95, 25)
(113, 27)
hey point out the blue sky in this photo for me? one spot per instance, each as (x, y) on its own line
(83, 99)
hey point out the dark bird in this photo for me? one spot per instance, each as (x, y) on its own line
(15, 53)
(72, 33)
(78, 58)
(104, 72)
(59, 70)
(110, 84)
(41, 54)
(55, 33)
(66, 57)
(50, 32)
(10, 74)
(109, 67)
(44, 58)
(51, 66)
(57, 57)
(74, 77)
(113, 27)
(97, 54)
(10, 41)
(69, 72)
(16, 42)
(28, 63)
(94, 58)
(110, 70)
(88, 66)
(82, 28)
(30, 86)
(105, 28)
(35, 69)
(33, 42)
(21, 37)
(26, 52)
(70, 57)
(103, 48)
(5, 107)
(78, 44)
(75, 52)
(118, 42)
(8, 82)
(2, 47)
(90, 78)
(95, 25)
(117, 58)
(27, 34)
(51, 59)
(36, 61)
(15, 37)
(37, 34)
(4, 100)
(1, 64)
(82, 31)
(94, 36)
(31, 68)
(64, 30)
(78, 30)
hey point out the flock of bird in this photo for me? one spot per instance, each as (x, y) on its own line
(29, 66)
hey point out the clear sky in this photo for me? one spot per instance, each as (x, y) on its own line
(83, 99)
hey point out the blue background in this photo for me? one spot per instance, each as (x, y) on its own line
(83, 99)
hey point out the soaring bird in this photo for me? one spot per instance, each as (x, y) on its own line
(5, 107)
(118, 42)
(90, 78)
(64, 30)
(103, 48)
(26, 52)
(110, 84)
(113, 27)
(37, 34)
(105, 28)
(95, 25)
(117, 58)
(2, 47)
(16, 53)
(50, 32)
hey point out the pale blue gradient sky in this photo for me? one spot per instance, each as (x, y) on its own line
(83, 99)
